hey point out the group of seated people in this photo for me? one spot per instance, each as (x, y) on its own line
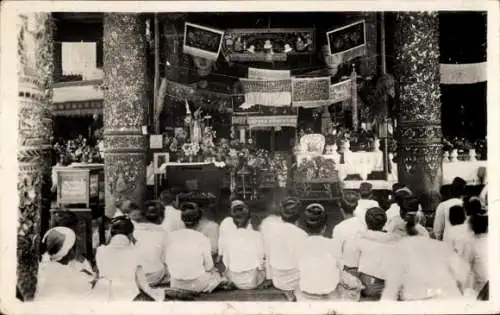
(372, 254)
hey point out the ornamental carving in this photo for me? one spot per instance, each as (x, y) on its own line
(125, 142)
(125, 176)
(35, 53)
(125, 71)
(426, 133)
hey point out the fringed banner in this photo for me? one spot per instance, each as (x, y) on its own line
(204, 98)
(341, 91)
(272, 121)
(202, 41)
(347, 42)
(269, 93)
(463, 73)
(311, 92)
(266, 74)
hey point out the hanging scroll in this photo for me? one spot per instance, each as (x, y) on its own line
(347, 42)
(202, 41)
(267, 74)
(311, 92)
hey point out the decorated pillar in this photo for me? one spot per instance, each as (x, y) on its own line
(417, 73)
(125, 107)
(35, 52)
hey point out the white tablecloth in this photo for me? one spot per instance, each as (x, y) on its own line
(363, 163)
(465, 169)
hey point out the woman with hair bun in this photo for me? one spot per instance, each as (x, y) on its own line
(408, 223)
(321, 275)
(422, 268)
(120, 263)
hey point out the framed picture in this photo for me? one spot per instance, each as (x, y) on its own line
(202, 41)
(347, 38)
(159, 160)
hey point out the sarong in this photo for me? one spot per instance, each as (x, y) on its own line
(285, 279)
(205, 283)
(246, 280)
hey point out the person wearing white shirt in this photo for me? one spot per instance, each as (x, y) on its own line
(120, 264)
(410, 210)
(189, 257)
(227, 226)
(441, 218)
(350, 227)
(282, 241)
(459, 233)
(422, 268)
(367, 256)
(365, 202)
(476, 254)
(243, 252)
(321, 276)
(172, 217)
(152, 242)
(394, 212)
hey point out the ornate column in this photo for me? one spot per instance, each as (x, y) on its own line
(417, 74)
(125, 107)
(35, 51)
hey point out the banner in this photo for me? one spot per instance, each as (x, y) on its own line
(311, 92)
(347, 42)
(266, 74)
(267, 44)
(201, 41)
(341, 91)
(463, 73)
(272, 121)
(270, 93)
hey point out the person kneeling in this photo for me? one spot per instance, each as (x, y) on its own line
(321, 276)
(189, 257)
(243, 252)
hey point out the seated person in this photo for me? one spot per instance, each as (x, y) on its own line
(282, 242)
(119, 262)
(227, 226)
(189, 256)
(210, 229)
(243, 252)
(459, 231)
(152, 242)
(366, 200)
(58, 275)
(366, 256)
(410, 208)
(67, 218)
(172, 217)
(321, 276)
(351, 226)
(394, 212)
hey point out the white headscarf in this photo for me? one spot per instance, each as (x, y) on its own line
(68, 242)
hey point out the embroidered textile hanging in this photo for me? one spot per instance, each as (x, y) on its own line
(341, 91)
(266, 74)
(311, 92)
(463, 73)
(272, 121)
(271, 93)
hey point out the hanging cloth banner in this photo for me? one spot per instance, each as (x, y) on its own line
(205, 98)
(276, 93)
(201, 41)
(341, 91)
(266, 74)
(311, 92)
(347, 42)
(272, 121)
(463, 73)
(78, 58)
